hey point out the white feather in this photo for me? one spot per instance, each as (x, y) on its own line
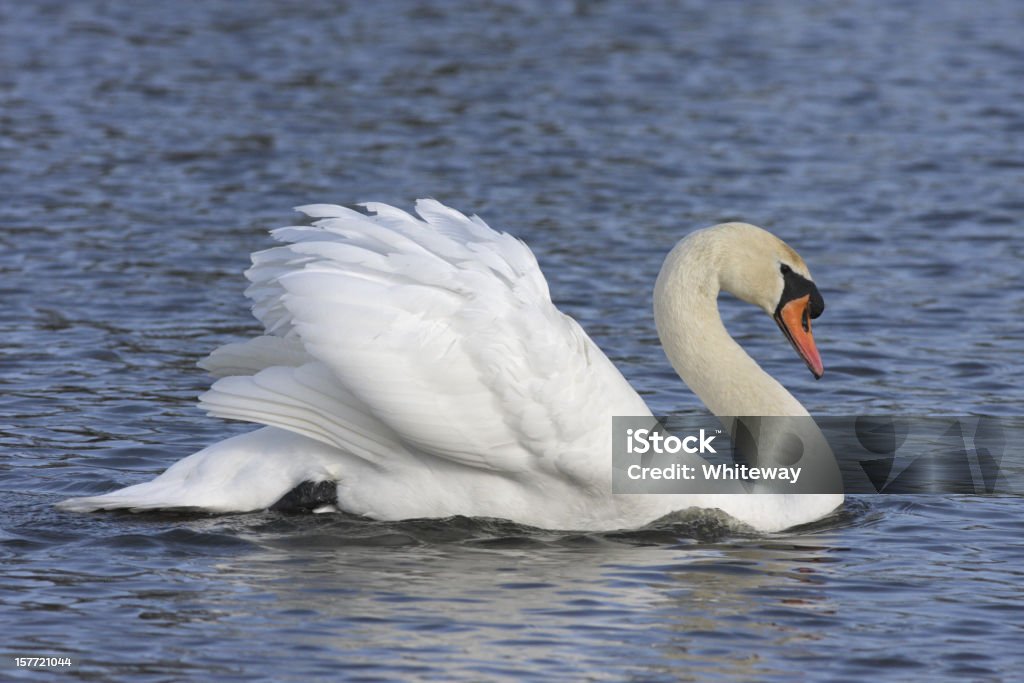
(258, 353)
(421, 365)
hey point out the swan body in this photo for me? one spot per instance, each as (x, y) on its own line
(420, 365)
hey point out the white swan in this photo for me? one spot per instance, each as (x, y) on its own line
(418, 368)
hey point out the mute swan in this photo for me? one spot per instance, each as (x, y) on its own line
(416, 367)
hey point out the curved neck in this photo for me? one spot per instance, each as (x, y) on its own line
(707, 358)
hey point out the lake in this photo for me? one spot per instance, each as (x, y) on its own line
(145, 150)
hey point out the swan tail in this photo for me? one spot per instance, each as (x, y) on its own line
(150, 495)
(265, 469)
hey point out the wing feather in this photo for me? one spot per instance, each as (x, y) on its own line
(429, 337)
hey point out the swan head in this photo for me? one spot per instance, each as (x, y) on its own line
(759, 268)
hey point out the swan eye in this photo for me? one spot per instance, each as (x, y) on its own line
(786, 270)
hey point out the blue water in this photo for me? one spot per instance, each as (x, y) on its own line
(146, 149)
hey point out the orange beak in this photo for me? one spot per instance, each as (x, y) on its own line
(794, 319)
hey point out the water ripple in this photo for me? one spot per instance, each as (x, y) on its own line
(145, 149)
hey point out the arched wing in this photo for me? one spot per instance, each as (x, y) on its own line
(393, 336)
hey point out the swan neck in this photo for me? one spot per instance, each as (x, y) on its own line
(703, 353)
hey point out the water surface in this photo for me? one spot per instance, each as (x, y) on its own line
(145, 150)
